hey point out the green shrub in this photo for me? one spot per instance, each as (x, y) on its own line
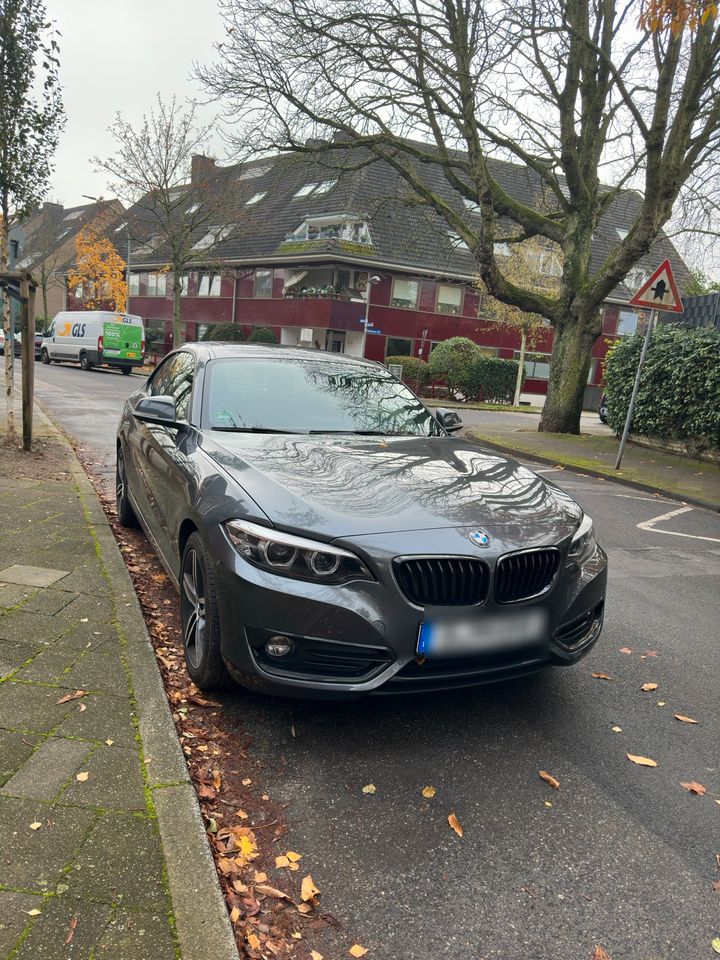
(226, 332)
(679, 396)
(470, 375)
(451, 361)
(414, 371)
(262, 335)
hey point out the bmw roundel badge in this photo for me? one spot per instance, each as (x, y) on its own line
(480, 538)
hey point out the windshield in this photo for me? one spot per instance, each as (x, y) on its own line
(310, 396)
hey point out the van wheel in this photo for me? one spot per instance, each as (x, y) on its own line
(85, 362)
(44, 356)
(126, 371)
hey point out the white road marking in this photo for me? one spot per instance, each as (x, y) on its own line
(650, 525)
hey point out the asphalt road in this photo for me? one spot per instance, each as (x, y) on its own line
(622, 855)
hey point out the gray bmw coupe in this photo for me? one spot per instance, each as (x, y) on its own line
(330, 537)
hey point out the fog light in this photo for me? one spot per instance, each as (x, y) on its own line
(278, 646)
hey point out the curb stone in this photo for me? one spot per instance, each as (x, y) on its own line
(202, 923)
(588, 471)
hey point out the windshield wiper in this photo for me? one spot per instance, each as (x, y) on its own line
(254, 430)
(367, 433)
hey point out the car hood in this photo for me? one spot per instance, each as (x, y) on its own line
(351, 486)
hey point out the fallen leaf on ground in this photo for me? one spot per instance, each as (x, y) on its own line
(269, 891)
(647, 687)
(36, 825)
(549, 779)
(600, 954)
(661, 703)
(455, 824)
(716, 886)
(71, 931)
(253, 940)
(651, 653)
(601, 676)
(293, 857)
(260, 877)
(246, 782)
(679, 716)
(304, 908)
(547, 803)
(235, 914)
(694, 787)
(82, 708)
(715, 944)
(308, 891)
(641, 761)
(529, 891)
(82, 777)
(616, 729)
(73, 696)
(428, 792)
(109, 742)
(314, 955)
(369, 788)
(357, 951)
(625, 650)
(33, 913)
(217, 779)
(282, 862)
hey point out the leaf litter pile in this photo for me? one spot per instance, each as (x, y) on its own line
(272, 900)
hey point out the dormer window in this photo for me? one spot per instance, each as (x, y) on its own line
(213, 236)
(333, 227)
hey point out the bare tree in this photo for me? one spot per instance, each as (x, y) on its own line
(172, 213)
(577, 91)
(31, 119)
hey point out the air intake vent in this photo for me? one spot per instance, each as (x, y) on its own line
(443, 581)
(524, 575)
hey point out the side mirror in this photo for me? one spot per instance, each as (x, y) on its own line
(161, 410)
(449, 419)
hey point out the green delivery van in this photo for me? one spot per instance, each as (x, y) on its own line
(95, 338)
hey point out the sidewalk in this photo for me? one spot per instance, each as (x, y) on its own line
(103, 853)
(652, 470)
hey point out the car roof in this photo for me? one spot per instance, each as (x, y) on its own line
(215, 349)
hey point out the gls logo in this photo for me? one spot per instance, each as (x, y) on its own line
(72, 330)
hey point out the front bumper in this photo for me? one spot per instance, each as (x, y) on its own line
(361, 637)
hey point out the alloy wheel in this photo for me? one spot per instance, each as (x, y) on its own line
(193, 586)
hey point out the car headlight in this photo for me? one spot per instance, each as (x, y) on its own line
(290, 556)
(582, 545)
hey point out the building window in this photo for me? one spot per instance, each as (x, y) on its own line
(471, 205)
(255, 198)
(263, 283)
(193, 207)
(627, 323)
(405, 293)
(457, 241)
(315, 188)
(134, 284)
(501, 249)
(73, 216)
(213, 236)
(184, 284)
(449, 298)
(398, 347)
(156, 284)
(537, 365)
(621, 233)
(332, 227)
(209, 285)
(14, 249)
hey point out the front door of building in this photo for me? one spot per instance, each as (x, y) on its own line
(335, 341)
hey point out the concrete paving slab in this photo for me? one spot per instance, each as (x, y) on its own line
(114, 781)
(104, 718)
(49, 931)
(31, 627)
(136, 935)
(98, 671)
(31, 706)
(15, 748)
(50, 767)
(14, 916)
(31, 576)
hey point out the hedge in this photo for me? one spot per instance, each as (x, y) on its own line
(226, 331)
(262, 335)
(470, 375)
(679, 396)
(414, 370)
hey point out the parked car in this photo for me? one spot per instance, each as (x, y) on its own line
(39, 337)
(603, 409)
(17, 342)
(330, 537)
(94, 338)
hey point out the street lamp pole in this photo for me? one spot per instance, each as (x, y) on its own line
(366, 322)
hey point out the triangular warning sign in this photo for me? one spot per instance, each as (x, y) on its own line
(660, 292)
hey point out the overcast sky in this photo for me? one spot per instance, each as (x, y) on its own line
(116, 55)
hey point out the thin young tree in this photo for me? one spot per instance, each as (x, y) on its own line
(31, 120)
(150, 171)
(579, 92)
(97, 278)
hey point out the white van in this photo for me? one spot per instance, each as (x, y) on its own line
(95, 338)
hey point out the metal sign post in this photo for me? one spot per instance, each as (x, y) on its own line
(636, 387)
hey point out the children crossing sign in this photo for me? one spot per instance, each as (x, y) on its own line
(660, 292)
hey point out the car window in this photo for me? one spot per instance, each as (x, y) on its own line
(306, 396)
(174, 378)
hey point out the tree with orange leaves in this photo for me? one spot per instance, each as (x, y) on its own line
(98, 278)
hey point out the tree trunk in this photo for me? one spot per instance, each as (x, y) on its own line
(521, 368)
(573, 341)
(177, 291)
(9, 344)
(44, 287)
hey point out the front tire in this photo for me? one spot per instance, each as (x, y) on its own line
(85, 362)
(126, 371)
(44, 355)
(125, 512)
(200, 617)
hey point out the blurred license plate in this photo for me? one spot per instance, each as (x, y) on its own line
(482, 634)
(131, 354)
